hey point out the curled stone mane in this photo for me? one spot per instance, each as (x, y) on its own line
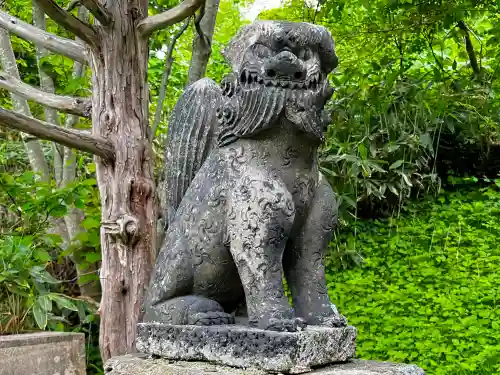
(249, 112)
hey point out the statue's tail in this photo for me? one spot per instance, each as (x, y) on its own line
(192, 134)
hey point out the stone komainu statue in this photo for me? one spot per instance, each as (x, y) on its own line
(246, 203)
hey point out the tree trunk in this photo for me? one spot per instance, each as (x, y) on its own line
(120, 114)
(202, 46)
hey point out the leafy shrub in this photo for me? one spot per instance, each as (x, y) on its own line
(428, 289)
(409, 106)
(31, 297)
(27, 289)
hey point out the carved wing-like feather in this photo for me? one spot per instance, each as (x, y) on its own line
(192, 134)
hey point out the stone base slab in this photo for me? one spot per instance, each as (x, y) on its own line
(137, 365)
(245, 347)
(43, 353)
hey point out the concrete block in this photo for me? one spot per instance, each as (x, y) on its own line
(43, 353)
(142, 365)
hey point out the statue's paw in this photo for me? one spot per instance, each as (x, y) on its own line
(210, 318)
(334, 321)
(285, 325)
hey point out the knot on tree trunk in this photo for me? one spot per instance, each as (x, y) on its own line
(125, 229)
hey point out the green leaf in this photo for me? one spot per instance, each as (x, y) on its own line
(363, 151)
(40, 315)
(396, 164)
(90, 223)
(59, 211)
(93, 257)
(45, 303)
(42, 255)
(91, 167)
(63, 302)
(41, 275)
(425, 140)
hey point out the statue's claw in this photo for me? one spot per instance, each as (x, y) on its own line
(210, 318)
(335, 321)
(286, 325)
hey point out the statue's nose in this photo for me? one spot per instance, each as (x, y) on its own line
(285, 65)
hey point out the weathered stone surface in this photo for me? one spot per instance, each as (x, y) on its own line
(241, 346)
(44, 353)
(245, 200)
(133, 365)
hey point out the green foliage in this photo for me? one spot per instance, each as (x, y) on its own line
(428, 289)
(408, 102)
(31, 295)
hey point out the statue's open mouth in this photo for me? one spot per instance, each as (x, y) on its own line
(250, 79)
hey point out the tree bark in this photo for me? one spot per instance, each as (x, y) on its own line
(33, 147)
(202, 43)
(120, 114)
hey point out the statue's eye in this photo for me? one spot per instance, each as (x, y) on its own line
(261, 51)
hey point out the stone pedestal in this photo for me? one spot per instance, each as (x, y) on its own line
(44, 353)
(141, 365)
(245, 347)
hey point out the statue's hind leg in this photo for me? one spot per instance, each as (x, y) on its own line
(304, 262)
(193, 310)
(259, 223)
(168, 300)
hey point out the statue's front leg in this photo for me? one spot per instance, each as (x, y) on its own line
(261, 214)
(304, 262)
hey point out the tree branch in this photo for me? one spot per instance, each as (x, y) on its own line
(469, 48)
(169, 60)
(75, 106)
(71, 23)
(52, 42)
(68, 137)
(202, 42)
(98, 11)
(184, 10)
(72, 5)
